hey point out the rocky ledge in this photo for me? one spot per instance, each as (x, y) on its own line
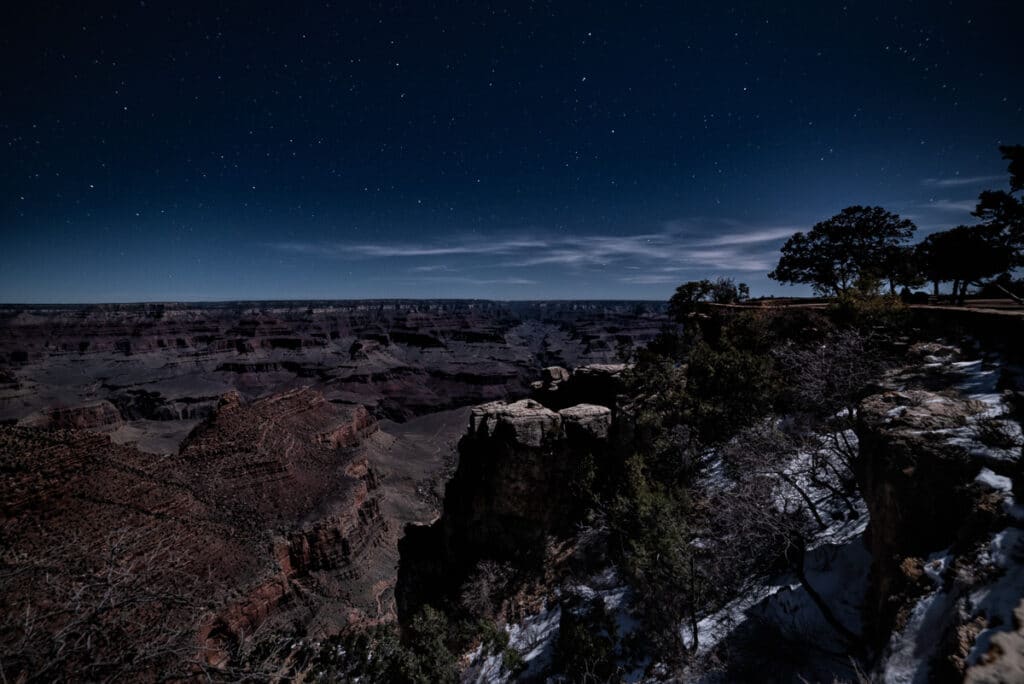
(528, 423)
(90, 415)
(941, 512)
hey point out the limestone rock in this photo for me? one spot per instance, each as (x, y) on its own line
(554, 374)
(917, 411)
(590, 419)
(516, 488)
(601, 369)
(529, 422)
(933, 352)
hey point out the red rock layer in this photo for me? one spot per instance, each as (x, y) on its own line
(267, 518)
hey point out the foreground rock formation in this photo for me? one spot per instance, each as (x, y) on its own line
(944, 537)
(516, 489)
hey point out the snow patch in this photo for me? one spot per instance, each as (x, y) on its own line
(999, 483)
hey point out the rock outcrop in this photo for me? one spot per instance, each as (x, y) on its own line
(590, 420)
(918, 485)
(89, 416)
(598, 383)
(516, 487)
(550, 378)
(527, 422)
(932, 494)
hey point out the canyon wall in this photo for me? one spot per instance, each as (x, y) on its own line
(267, 522)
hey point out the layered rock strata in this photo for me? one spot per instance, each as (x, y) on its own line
(268, 521)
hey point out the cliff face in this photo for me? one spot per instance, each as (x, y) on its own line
(516, 487)
(919, 487)
(276, 458)
(268, 518)
(942, 532)
(283, 466)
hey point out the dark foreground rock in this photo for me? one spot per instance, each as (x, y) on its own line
(939, 515)
(516, 489)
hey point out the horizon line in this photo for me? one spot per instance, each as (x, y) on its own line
(322, 300)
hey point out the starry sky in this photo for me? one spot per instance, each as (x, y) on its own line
(157, 151)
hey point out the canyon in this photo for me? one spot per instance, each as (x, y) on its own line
(251, 466)
(237, 487)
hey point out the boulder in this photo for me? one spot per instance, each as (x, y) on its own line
(608, 370)
(589, 419)
(933, 352)
(554, 374)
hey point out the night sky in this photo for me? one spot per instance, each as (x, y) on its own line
(179, 151)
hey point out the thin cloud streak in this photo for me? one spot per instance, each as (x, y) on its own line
(476, 281)
(658, 256)
(383, 250)
(957, 181)
(650, 279)
(951, 205)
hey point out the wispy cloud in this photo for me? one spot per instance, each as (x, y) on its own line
(957, 181)
(752, 251)
(646, 258)
(651, 279)
(753, 236)
(477, 281)
(960, 206)
(345, 250)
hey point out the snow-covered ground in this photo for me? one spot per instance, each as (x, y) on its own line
(535, 637)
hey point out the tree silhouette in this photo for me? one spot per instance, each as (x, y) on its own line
(854, 246)
(1002, 213)
(901, 267)
(965, 255)
(693, 296)
(971, 255)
